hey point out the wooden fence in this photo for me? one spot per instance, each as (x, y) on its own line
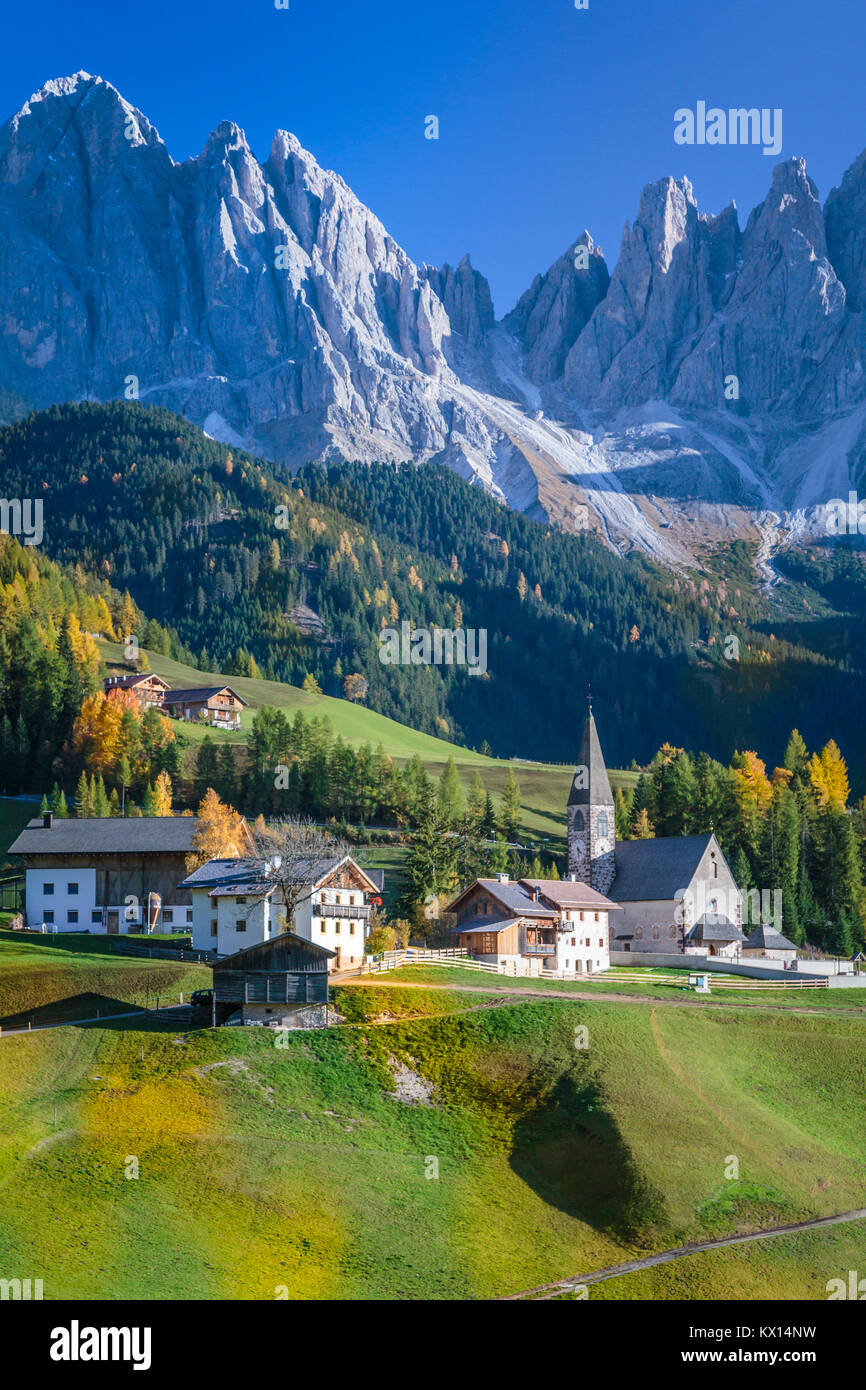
(454, 958)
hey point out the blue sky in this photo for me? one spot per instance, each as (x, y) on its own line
(551, 119)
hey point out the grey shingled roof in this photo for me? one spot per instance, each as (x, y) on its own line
(597, 792)
(656, 870)
(564, 893)
(488, 927)
(202, 692)
(515, 899)
(768, 939)
(109, 835)
(710, 928)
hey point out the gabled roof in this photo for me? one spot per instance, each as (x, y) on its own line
(228, 876)
(250, 957)
(657, 870)
(109, 835)
(564, 893)
(129, 682)
(768, 939)
(597, 790)
(714, 928)
(199, 693)
(513, 897)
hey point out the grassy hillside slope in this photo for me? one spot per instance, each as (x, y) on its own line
(269, 1165)
(544, 786)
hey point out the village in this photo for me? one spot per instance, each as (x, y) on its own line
(283, 910)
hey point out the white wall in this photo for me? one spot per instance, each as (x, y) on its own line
(61, 902)
(580, 926)
(344, 935)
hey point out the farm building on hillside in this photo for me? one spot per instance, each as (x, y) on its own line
(536, 924)
(146, 686)
(217, 705)
(237, 903)
(282, 983)
(107, 875)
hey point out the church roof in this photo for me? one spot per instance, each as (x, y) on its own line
(591, 771)
(768, 939)
(658, 869)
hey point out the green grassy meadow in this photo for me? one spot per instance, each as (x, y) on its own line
(544, 787)
(650, 988)
(286, 1165)
(36, 976)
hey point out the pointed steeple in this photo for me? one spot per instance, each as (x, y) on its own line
(590, 786)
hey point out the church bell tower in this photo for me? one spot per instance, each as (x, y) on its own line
(591, 818)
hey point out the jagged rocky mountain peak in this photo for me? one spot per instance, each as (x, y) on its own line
(268, 304)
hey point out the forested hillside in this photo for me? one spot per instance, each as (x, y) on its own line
(295, 579)
(49, 663)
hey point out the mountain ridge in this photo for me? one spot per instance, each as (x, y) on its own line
(266, 303)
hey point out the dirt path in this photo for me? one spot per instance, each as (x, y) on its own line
(548, 1291)
(385, 980)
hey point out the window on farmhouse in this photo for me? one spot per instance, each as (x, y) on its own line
(48, 889)
(72, 887)
(241, 924)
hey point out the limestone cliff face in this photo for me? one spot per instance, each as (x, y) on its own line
(264, 301)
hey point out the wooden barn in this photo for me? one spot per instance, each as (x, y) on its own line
(282, 983)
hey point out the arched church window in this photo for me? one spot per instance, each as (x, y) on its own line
(638, 933)
(578, 820)
(656, 933)
(602, 826)
(715, 866)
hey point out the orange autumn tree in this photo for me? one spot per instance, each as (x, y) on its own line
(96, 740)
(221, 833)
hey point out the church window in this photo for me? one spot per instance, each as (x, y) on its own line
(578, 820)
(672, 932)
(638, 931)
(601, 825)
(715, 866)
(656, 933)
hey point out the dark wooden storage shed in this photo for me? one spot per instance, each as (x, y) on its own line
(273, 981)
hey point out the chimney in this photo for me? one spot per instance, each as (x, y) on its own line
(572, 878)
(502, 878)
(47, 820)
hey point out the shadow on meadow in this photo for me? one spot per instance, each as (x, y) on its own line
(90, 1010)
(570, 1152)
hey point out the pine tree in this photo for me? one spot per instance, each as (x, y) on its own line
(99, 796)
(83, 798)
(511, 810)
(148, 801)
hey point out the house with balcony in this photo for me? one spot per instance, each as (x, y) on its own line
(216, 705)
(147, 687)
(110, 875)
(237, 903)
(534, 924)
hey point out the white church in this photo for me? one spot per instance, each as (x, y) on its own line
(675, 892)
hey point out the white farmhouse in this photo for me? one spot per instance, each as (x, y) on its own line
(237, 904)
